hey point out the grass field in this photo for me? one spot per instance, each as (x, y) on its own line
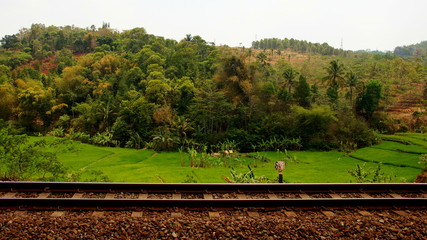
(130, 165)
(413, 138)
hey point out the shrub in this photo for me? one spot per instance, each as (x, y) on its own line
(79, 136)
(248, 177)
(57, 132)
(104, 139)
(22, 159)
(350, 133)
(364, 174)
(423, 161)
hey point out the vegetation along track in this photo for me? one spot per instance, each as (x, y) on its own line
(126, 196)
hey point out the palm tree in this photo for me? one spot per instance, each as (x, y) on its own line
(352, 82)
(163, 139)
(181, 126)
(290, 75)
(262, 58)
(335, 74)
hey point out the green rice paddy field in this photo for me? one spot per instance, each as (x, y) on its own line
(399, 155)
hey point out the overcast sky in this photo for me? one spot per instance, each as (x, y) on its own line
(361, 24)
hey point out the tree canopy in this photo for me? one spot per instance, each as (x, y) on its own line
(134, 89)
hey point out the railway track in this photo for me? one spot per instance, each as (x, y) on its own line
(134, 196)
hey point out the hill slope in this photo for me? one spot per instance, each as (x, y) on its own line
(419, 49)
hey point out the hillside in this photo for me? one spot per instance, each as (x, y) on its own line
(417, 50)
(409, 102)
(133, 89)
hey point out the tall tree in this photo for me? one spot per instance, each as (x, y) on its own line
(262, 58)
(289, 75)
(352, 82)
(335, 72)
(9, 41)
(368, 100)
(302, 93)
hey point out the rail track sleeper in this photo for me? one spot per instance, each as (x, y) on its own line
(334, 195)
(395, 195)
(136, 214)
(214, 215)
(10, 195)
(253, 214)
(241, 196)
(272, 196)
(20, 213)
(43, 195)
(365, 195)
(401, 213)
(207, 196)
(143, 196)
(364, 213)
(328, 213)
(291, 214)
(98, 213)
(110, 196)
(58, 214)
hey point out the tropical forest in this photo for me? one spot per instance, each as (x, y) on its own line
(97, 104)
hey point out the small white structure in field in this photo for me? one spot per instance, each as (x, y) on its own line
(280, 166)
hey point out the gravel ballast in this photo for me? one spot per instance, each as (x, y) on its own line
(345, 224)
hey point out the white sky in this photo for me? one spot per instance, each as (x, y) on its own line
(362, 24)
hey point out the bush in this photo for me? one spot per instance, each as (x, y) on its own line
(423, 161)
(22, 159)
(350, 133)
(57, 132)
(363, 174)
(278, 143)
(104, 139)
(79, 136)
(312, 125)
(384, 123)
(248, 177)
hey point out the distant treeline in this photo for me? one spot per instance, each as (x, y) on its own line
(297, 45)
(418, 50)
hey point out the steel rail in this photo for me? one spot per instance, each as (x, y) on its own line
(211, 187)
(126, 204)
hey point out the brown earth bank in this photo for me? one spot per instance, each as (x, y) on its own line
(422, 178)
(345, 224)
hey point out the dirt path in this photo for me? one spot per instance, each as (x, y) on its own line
(97, 161)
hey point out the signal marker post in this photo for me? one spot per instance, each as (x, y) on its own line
(279, 166)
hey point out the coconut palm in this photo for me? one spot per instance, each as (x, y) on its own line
(335, 72)
(262, 58)
(352, 82)
(290, 75)
(182, 126)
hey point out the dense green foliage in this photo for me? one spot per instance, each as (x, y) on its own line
(133, 89)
